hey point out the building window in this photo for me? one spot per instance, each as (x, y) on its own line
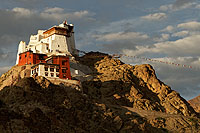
(64, 71)
(57, 70)
(52, 69)
(20, 57)
(52, 74)
(63, 62)
(41, 57)
(57, 75)
(64, 75)
(46, 74)
(46, 68)
(25, 55)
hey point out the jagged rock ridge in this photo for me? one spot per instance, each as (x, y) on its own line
(134, 86)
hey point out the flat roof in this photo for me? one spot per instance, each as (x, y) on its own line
(32, 52)
(55, 28)
(44, 64)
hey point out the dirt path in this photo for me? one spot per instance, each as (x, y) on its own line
(171, 122)
(150, 114)
(147, 113)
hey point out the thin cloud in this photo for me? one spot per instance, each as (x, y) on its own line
(122, 36)
(23, 12)
(197, 6)
(155, 17)
(59, 14)
(169, 29)
(163, 37)
(182, 4)
(166, 7)
(178, 5)
(192, 25)
(181, 34)
(181, 47)
(54, 10)
(55, 13)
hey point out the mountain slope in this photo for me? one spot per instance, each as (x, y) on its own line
(36, 105)
(134, 86)
(195, 103)
(119, 98)
(33, 108)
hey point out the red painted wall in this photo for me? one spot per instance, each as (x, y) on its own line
(63, 63)
(32, 58)
(25, 58)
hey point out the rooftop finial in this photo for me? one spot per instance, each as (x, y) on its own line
(65, 22)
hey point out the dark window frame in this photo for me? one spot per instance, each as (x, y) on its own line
(46, 68)
(51, 69)
(52, 74)
(64, 70)
(46, 74)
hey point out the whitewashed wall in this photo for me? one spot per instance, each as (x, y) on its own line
(58, 42)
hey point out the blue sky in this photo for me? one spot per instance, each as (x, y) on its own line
(167, 30)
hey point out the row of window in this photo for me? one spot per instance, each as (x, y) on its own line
(52, 75)
(57, 69)
(64, 70)
(25, 57)
(51, 69)
(40, 57)
(51, 61)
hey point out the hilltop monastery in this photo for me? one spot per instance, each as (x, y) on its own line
(49, 51)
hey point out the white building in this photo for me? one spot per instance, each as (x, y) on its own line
(45, 70)
(58, 40)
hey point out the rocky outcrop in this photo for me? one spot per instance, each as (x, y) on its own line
(14, 75)
(134, 86)
(195, 103)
